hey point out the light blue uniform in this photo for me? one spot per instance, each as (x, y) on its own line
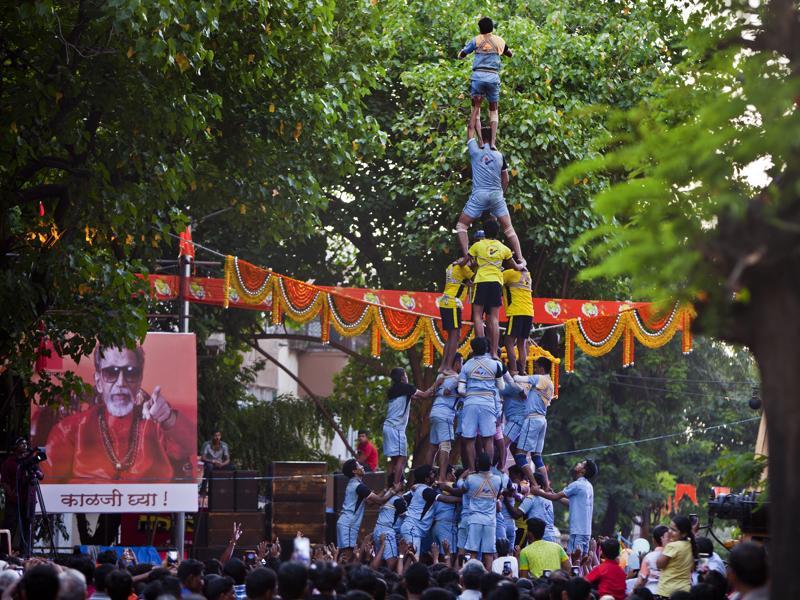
(466, 511)
(394, 426)
(500, 517)
(534, 428)
(445, 524)
(482, 489)
(485, 78)
(419, 516)
(487, 189)
(541, 508)
(352, 513)
(443, 411)
(479, 378)
(581, 504)
(514, 411)
(387, 519)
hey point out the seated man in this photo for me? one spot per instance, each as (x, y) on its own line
(366, 452)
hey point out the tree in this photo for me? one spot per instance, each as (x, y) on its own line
(124, 120)
(687, 220)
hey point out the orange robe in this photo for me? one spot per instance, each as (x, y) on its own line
(75, 450)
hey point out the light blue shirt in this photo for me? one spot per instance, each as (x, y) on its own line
(514, 402)
(387, 514)
(420, 509)
(353, 505)
(482, 60)
(540, 508)
(399, 408)
(581, 503)
(534, 405)
(479, 375)
(483, 489)
(444, 406)
(487, 164)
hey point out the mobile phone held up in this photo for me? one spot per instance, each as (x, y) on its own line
(302, 549)
(575, 571)
(172, 557)
(250, 558)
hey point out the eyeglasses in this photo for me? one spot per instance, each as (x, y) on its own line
(129, 374)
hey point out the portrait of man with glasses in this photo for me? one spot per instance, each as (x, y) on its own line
(126, 433)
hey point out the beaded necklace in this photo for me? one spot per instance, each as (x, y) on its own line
(133, 442)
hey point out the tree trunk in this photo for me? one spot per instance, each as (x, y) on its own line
(776, 330)
(609, 523)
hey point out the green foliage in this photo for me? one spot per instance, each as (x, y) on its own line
(740, 470)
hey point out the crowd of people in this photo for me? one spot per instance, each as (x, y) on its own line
(362, 575)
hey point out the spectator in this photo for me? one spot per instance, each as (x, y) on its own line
(219, 588)
(108, 557)
(236, 570)
(364, 579)
(119, 584)
(417, 578)
(714, 563)
(85, 565)
(212, 567)
(504, 590)
(39, 583)
(649, 573)
(292, 580)
(8, 578)
(579, 588)
(437, 593)
(641, 593)
(100, 574)
(260, 584)
(748, 572)
(506, 563)
(190, 575)
(677, 560)
(489, 583)
(153, 590)
(540, 555)
(366, 452)
(608, 576)
(471, 574)
(71, 585)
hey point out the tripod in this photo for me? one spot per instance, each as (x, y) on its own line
(34, 496)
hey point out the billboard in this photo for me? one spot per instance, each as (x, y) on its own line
(131, 445)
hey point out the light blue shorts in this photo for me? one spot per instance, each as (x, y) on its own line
(485, 84)
(463, 531)
(478, 420)
(511, 531)
(512, 429)
(446, 530)
(500, 527)
(346, 535)
(480, 201)
(390, 547)
(481, 538)
(531, 438)
(412, 534)
(459, 420)
(394, 441)
(578, 541)
(441, 431)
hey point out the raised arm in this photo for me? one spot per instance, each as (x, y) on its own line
(504, 179)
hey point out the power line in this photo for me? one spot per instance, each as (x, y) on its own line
(656, 438)
(654, 389)
(657, 378)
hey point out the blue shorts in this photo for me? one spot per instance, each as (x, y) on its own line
(578, 541)
(481, 538)
(485, 84)
(394, 441)
(531, 438)
(441, 431)
(346, 535)
(459, 422)
(446, 530)
(461, 534)
(478, 420)
(500, 527)
(390, 546)
(511, 531)
(481, 201)
(412, 534)
(512, 429)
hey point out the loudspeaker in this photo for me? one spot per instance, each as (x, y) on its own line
(220, 528)
(246, 490)
(221, 491)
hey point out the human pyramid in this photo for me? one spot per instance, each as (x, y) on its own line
(497, 407)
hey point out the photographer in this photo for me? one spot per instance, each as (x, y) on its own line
(15, 474)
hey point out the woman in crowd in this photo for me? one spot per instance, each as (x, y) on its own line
(677, 559)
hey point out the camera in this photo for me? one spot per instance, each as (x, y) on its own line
(752, 515)
(30, 461)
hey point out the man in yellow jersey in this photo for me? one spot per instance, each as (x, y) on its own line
(456, 280)
(487, 294)
(519, 310)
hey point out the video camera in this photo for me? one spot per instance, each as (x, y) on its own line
(752, 515)
(30, 460)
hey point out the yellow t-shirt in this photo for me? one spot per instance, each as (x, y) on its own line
(540, 556)
(490, 255)
(517, 293)
(677, 575)
(455, 291)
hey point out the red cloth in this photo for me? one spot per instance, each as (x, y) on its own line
(369, 454)
(75, 449)
(610, 579)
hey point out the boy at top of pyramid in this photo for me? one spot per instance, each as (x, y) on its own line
(485, 78)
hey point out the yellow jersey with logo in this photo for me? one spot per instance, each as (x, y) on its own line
(517, 293)
(489, 255)
(455, 288)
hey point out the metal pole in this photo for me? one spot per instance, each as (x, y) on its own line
(186, 271)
